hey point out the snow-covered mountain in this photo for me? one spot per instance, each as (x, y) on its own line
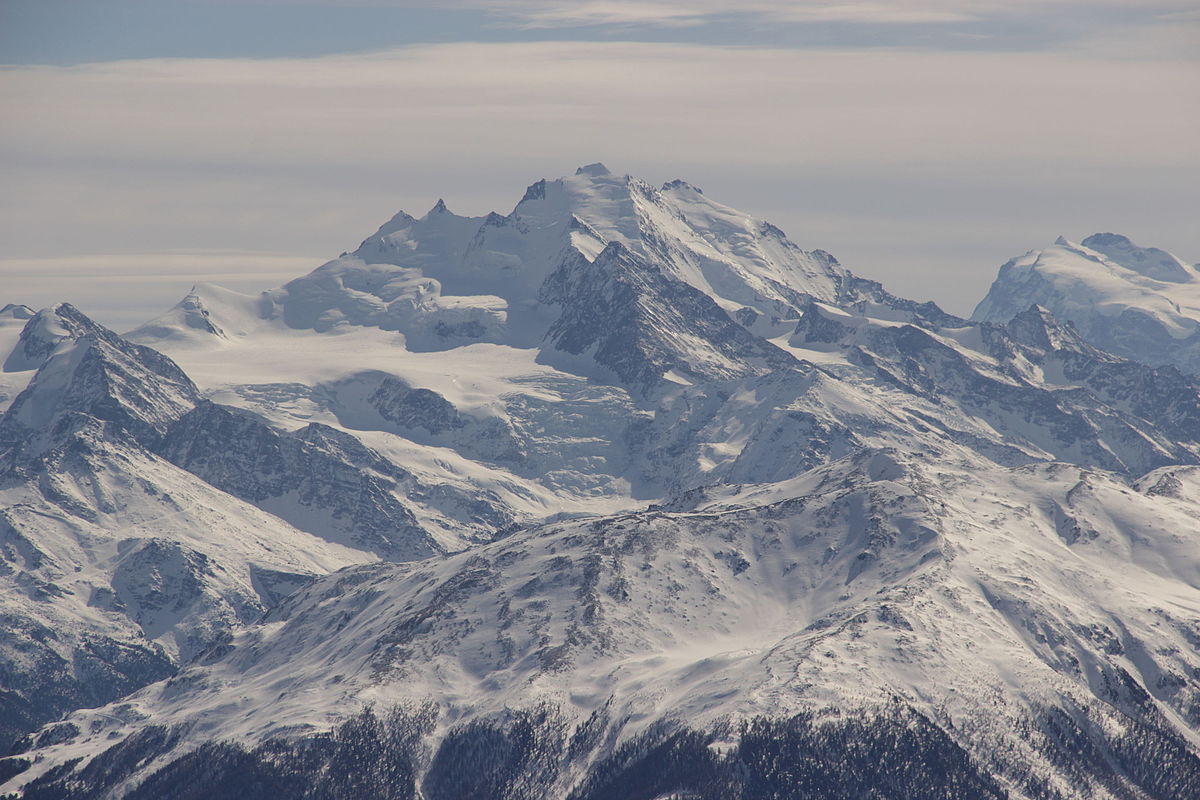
(647, 284)
(1138, 302)
(1041, 619)
(118, 565)
(656, 504)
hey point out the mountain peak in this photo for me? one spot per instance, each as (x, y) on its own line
(536, 191)
(596, 170)
(1139, 303)
(1100, 240)
(92, 371)
(207, 311)
(1038, 327)
(681, 184)
(44, 331)
(16, 311)
(1149, 261)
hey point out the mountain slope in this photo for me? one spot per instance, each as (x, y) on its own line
(319, 479)
(118, 565)
(1033, 381)
(995, 603)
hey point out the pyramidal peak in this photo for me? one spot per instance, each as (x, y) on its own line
(679, 184)
(597, 169)
(16, 311)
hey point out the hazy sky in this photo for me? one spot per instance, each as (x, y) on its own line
(146, 144)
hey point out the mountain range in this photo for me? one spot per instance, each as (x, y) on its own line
(621, 494)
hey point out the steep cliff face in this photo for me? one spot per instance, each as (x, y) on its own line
(645, 327)
(319, 479)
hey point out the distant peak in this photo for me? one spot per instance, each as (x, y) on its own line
(439, 207)
(597, 170)
(1036, 313)
(66, 311)
(16, 311)
(1037, 326)
(1149, 261)
(681, 184)
(45, 330)
(1102, 240)
(536, 191)
(1062, 242)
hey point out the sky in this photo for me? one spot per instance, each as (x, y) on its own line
(149, 144)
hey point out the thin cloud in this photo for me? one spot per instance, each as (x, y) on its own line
(608, 13)
(672, 100)
(544, 14)
(309, 155)
(124, 290)
(678, 15)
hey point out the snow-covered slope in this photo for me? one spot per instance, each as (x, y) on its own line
(207, 311)
(995, 603)
(1033, 382)
(129, 525)
(1138, 302)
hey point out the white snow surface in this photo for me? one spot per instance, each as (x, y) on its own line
(135, 498)
(514, 439)
(295, 376)
(13, 318)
